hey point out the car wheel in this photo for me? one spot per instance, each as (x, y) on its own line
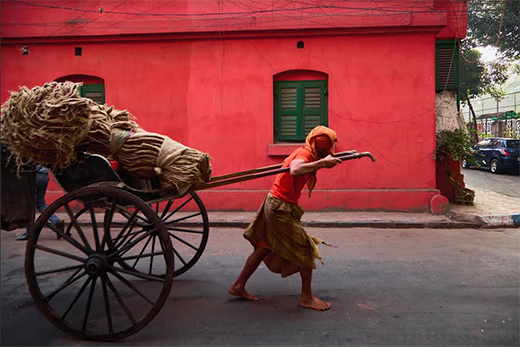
(464, 164)
(494, 166)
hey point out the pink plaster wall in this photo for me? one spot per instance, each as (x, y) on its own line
(217, 96)
(210, 86)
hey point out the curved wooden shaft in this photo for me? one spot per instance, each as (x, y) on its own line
(267, 171)
(262, 169)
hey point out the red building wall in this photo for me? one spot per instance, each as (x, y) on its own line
(215, 94)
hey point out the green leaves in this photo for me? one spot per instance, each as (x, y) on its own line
(496, 92)
(473, 77)
(490, 24)
(455, 144)
(495, 23)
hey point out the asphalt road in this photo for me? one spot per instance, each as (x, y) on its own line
(388, 287)
(508, 184)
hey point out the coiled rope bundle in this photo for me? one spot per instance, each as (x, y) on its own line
(46, 124)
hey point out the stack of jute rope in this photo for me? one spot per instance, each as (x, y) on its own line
(46, 124)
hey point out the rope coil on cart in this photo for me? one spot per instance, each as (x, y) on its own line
(46, 124)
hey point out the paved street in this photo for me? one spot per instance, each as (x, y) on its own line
(388, 287)
(507, 184)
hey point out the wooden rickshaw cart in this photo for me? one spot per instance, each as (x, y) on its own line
(109, 272)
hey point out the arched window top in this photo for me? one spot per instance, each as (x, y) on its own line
(300, 75)
(93, 87)
(86, 79)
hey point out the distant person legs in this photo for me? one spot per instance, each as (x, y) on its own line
(42, 181)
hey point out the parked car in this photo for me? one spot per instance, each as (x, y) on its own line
(497, 154)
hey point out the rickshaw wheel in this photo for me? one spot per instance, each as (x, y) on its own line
(78, 283)
(187, 222)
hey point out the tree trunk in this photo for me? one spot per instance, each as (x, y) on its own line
(474, 134)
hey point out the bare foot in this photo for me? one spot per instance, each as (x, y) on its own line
(236, 291)
(315, 304)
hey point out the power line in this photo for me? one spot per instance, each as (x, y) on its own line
(217, 14)
(501, 20)
(308, 19)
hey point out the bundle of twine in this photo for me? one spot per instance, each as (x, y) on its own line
(46, 124)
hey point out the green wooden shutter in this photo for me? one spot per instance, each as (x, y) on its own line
(446, 65)
(299, 107)
(314, 105)
(288, 107)
(95, 92)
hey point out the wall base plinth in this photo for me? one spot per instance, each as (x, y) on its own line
(399, 200)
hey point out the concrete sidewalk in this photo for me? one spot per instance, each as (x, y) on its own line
(490, 210)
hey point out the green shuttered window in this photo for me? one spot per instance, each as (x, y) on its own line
(299, 107)
(446, 65)
(95, 92)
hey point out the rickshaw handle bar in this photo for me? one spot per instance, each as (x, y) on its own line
(262, 169)
(266, 171)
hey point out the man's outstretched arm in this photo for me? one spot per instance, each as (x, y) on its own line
(299, 167)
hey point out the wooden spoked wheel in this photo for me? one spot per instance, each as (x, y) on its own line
(187, 224)
(78, 283)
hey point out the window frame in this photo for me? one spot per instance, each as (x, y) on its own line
(93, 87)
(301, 111)
(496, 143)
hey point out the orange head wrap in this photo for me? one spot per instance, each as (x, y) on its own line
(315, 137)
(316, 134)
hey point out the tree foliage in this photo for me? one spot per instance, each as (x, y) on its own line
(473, 74)
(495, 23)
(455, 144)
(490, 23)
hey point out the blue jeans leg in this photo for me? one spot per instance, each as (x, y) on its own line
(42, 180)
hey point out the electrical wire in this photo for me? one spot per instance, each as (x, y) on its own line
(229, 14)
(75, 20)
(311, 7)
(354, 122)
(127, 19)
(501, 20)
(237, 23)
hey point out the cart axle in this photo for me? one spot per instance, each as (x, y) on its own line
(95, 265)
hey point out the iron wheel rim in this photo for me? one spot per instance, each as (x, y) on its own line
(113, 292)
(188, 230)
